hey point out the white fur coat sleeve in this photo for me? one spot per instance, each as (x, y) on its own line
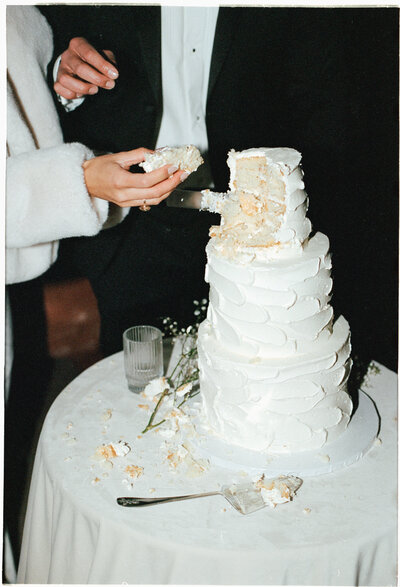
(46, 196)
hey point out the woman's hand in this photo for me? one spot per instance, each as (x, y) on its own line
(107, 177)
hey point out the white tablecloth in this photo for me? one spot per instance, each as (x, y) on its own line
(339, 530)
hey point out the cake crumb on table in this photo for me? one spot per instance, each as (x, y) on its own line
(107, 414)
(134, 471)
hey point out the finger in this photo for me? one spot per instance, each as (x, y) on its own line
(110, 55)
(64, 92)
(166, 186)
(89, 54)
(154, 192)
(87, 73)
(149, 202)
(128, 158)
(127, 200)
(154, 178)
(76, 85)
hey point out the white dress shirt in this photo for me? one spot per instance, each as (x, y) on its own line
(187, 36)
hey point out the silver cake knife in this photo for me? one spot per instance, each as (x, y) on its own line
(184, 199)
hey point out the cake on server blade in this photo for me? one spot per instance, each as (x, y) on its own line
(273, 362)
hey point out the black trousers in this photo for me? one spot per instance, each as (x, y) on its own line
(149, 267)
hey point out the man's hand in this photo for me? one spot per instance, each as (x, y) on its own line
(83, 70)
(107, 177)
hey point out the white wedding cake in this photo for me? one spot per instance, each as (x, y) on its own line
(273, 362)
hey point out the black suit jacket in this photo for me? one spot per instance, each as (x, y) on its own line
(301, 77)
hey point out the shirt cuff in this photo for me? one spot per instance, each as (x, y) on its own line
(69, 105)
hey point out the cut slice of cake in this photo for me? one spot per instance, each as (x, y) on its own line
(187, 158)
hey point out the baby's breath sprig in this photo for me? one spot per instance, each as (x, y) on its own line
(182, 383)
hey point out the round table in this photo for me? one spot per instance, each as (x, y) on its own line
(340, 529)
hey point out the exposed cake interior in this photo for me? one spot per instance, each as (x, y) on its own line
(264, 201)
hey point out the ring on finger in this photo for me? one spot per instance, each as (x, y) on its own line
(144, 207)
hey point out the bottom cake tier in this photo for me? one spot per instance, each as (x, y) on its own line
(279, 405)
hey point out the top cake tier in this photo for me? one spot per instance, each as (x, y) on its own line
(267, 203)
(249, 168)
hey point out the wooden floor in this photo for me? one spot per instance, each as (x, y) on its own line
(73, 322)
(73, 325)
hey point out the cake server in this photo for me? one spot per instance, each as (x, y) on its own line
(245, 498)
(179, 198)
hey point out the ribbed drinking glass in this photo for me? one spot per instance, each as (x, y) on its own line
(143, 356)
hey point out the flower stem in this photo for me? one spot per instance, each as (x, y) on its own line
(184, 372)
(150, 422)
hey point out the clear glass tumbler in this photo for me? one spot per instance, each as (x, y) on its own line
(143, 356)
